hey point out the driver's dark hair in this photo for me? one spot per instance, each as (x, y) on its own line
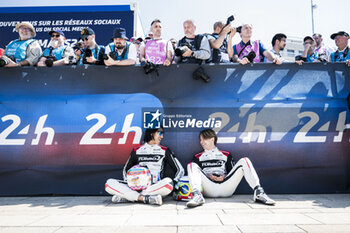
(149, 134)
(278, 37)
(209, 133)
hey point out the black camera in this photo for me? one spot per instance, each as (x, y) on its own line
(182, 49)
(251, 55)
(200, 74)
(5, 60)
(239, 29)
(300, 58)
(230, 19)
(70, 60)
(87, 53)
(149, 67)
(111, 54)
(49, 60)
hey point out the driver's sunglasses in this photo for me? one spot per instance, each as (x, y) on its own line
(160, 133)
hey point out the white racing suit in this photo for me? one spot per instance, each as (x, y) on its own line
(161, 162)
(220, 162)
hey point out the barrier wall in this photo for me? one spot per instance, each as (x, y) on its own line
(66, 130)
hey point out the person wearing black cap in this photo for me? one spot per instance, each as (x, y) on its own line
(24, 51)
(341, 41)
(57, 54)
(120, 52)
(92, 53)
(309, 54)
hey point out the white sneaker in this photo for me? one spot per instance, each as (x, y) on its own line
(118, 199)
(197, 200)
(261, 196)
(153, 199)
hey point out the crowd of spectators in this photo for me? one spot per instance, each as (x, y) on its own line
(192, 48)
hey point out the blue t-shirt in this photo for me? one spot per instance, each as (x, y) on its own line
(339, 56)
(312, 58)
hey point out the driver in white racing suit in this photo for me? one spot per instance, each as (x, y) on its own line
(215, 172)
(163, 166)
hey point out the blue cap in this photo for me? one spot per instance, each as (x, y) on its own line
(57, 31)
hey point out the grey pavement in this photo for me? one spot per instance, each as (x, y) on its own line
(292, 213)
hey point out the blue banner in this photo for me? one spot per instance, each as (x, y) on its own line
(69, 19)
(68, 129)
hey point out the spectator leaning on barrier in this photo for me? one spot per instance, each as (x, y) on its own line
(57, 54)
(92, 53)
(323, 52)
(309, 54)
(341, 41)
(192, 48)
(157, 50)
(220, 44)
(215, 172)
(248, 51)
(120, 52)
(278, 45)
(24, 51)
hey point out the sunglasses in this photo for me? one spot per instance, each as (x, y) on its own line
(160, 133)
(55, 36)
(86, 38)
(25, 29)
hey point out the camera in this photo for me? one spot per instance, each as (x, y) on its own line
(87, 53)
(78, 46)
(182, 49)
(49, 60)
(4, 60)
(200, 74)
(111, 54)
(149, 67)
(239, 29)
(230, 19)
(251, 55)
(71, 60)
(300, 58)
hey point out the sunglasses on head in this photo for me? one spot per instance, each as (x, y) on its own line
(55, 36)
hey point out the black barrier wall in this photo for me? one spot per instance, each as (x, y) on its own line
(66, 130)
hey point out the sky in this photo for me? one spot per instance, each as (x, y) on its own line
(268, 17)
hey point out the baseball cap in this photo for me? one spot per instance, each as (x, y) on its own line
(57, 31)
(86, 32)
(308, 38)
(340, 33)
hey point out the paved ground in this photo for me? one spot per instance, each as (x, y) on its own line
(293, 213)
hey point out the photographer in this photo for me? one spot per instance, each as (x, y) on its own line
(92, 53)
(222, 50)
(57, 54)
(120, 52)
(157, 50)
(248, 51)
(309, 54)
(342, 54)
(192, 48)
(24, 51)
